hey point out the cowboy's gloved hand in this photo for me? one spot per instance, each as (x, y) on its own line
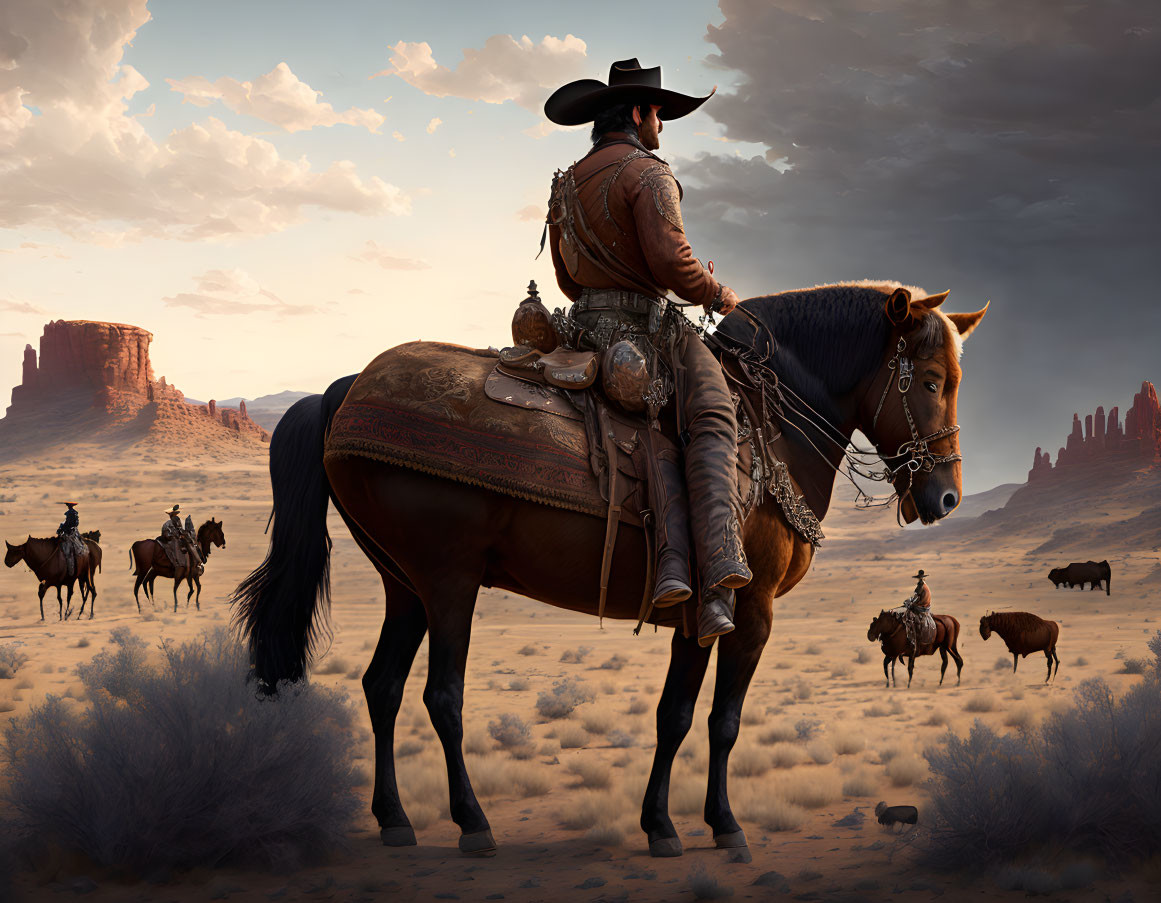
(727, 302)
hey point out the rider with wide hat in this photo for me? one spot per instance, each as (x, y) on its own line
(69, 541)
(619, 248)
(916, 614)
(177, 540)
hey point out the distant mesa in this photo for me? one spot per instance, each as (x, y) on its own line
(1105, 441)
(100, 374)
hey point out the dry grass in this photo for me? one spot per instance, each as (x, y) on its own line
(981, 702)
(936, 719)
(905, 770)
(640, 707)
(883, 710)
(749, 762)
(821, 752)
(811, 791)
(591, 809)
(861, 783)
(333, 664)
(606, 835)
(598, 721)
(593, 772)
(785, 755)
(528, 650)
(572, 736)
(519, 683)
(687, 797)
(494, 777)
(422, 816)
(477, 743)
(848, 743)
(1021, 718)
(775, 814)
(779, 733)
(7, 704)
(575, 656)
(864, 656)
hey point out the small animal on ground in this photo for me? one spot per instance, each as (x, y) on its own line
(896, 815)
(1024, 632)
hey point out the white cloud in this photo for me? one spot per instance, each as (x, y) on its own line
(530, 213)
(373, 253)
(433, 125)
(278, 97)
(19, 307)
(86, 167)
(232, 293)
(398, 135)
(503, 69)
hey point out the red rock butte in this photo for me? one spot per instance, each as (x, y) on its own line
(109, 363)
(1104, 440)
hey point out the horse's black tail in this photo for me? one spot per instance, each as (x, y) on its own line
(277, 605)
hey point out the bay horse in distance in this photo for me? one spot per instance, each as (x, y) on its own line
(148, 559)
(43, 557)
(838, 355)
(889, 631)
(1023, 633)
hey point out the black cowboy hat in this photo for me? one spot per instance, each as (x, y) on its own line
(581, 101)
(69, 504)
(920, 575)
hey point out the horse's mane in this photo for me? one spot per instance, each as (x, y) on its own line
(1014, 621)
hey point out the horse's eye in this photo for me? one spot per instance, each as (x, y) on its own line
(931, 387)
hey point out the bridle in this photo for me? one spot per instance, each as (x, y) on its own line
(777, 398)
(918, 450)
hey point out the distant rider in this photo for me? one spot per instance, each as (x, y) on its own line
(69, 540)
(916, 615)
(177, 540)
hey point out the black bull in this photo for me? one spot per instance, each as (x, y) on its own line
(1080, 573)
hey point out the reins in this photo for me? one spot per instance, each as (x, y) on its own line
(758, 369)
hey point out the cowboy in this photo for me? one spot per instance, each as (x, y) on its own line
(176, 540)
(69, 540)
(916, 615)
(619, 247)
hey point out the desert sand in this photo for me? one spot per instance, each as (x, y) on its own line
(565, 819)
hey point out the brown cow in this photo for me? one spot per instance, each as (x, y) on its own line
(1024, 632)
(1080, 573)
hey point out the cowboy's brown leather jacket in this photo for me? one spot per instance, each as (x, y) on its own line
(632, 203)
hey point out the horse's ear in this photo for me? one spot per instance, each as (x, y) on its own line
(898, 306)
(966, 323)
(932, 301)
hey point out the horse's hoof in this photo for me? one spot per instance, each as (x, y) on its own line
(403, 836)
(481, 843)
(730, 841)
(665, 847)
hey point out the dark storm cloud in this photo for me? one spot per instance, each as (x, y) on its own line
(1002, 150)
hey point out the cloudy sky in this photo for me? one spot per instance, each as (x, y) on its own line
(278, 191)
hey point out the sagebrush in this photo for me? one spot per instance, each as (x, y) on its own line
(175, 762)
(1084, 779)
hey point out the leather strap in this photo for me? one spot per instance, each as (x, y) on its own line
(614, 518)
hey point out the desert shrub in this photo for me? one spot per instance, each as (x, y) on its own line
(599, 721)
(821, 752)
(785, 755)
(863, 656)
(588, 809)
(819, 789)
(905, 771)
(776, 814)
(1134, 666)
(637, 707)
(802, 690)
(749, 762)
(615, 663)
(806, 728)
(527, 650)
(937, 718)
(687, 797)
(333, 664)
(572, 737)
(476, 743)
(619, 739)
(841, 671)
(519, 683)
(180, 764)
(422, 816)
(408, 748)
(607, 835)
(11, 661)
(7, 704)
(981, 702)
(1003, 663)
(575, 656)
(592, 772)
(860, 784)
(510, 732)
(566, 695)
(813, 649)
(779, 733)
(1020, 718)
(1083, 780)
(847, 743)
(753, 716)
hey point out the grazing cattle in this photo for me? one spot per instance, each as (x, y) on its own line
(1080, 573)
(1024, 632)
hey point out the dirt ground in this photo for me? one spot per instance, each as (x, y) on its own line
(822, 742)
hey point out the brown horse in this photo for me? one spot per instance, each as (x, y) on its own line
(148, 559)
(44, 559)
(889, 631)
(435, 542)
(1024, 632)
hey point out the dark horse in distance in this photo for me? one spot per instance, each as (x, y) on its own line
(43, 558)
(148, 559)
(889, 631)
(435, 542)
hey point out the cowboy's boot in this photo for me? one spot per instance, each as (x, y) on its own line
(715, 615)
(668, 501)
